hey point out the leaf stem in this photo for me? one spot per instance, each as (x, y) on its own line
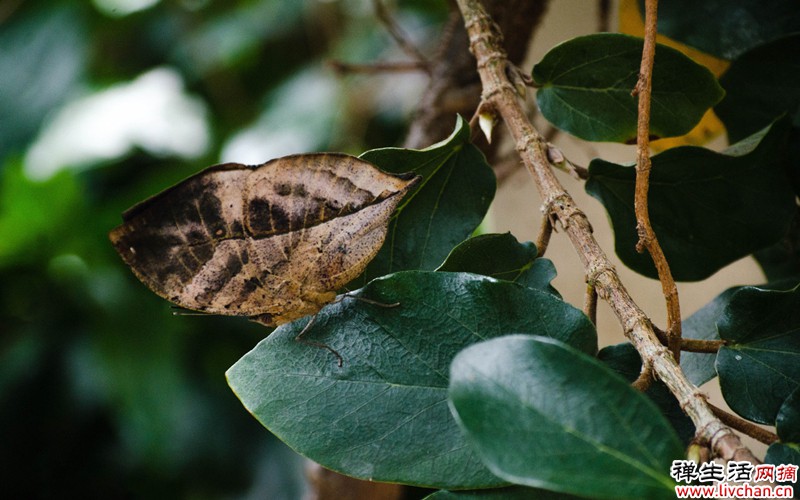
(758, 433)
(697, 345)
(647, 236)
(492, 62)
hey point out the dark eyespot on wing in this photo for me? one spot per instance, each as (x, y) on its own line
(210, 208)
(259, 216)
(299, 190)
(281, 220)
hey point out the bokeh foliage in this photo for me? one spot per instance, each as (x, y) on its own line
(103, 391)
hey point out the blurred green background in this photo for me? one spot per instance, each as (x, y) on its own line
(104, 393)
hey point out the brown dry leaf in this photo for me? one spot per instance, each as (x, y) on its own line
(273, 242)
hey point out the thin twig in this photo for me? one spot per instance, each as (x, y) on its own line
(604, 15)
(491, 62)
(647, 237)
(399, 36)
(376, 67)
(758, 433)
(697, 345)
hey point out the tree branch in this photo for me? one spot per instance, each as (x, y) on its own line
(492, 65)
(398, 35)
(647, 237)
(454, 87)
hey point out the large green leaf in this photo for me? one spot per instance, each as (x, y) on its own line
(383, 414)
(445, 209)
(586, 86)
(724, 28)
(623, 359)
(542, 414)
(501, 256)
(760, 366)
(761, 85)
(708, 209)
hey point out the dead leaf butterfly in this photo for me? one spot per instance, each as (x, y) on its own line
(272, 242)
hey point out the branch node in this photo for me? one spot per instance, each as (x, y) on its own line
(562, 208)
(686, 401)
(598, 269)
(498, 89)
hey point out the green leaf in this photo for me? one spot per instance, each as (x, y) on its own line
(760, 86)
(702, 325)
(708, 209)
(586, 86)
(723, 28)
(510, 493)
(501, 256)
(542, 414)
(787, 423)
(763, 331)
(383, 415)
(623, 359)
(445, 209)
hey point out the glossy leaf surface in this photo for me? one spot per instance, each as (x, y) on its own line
(501, 256)
(623, 359)
(586, 86)
(763, 331)
(383, 415)
(445, 209)
(542, 414)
